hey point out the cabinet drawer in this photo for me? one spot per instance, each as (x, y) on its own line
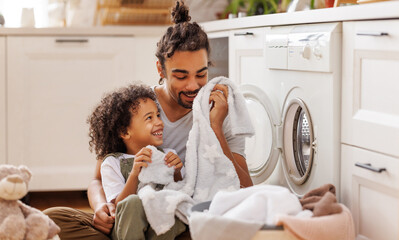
(377, 35)
(373, 197)
(246, 55)
(251, 38)
(370, 103)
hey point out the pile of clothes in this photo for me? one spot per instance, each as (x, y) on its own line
(240, 214)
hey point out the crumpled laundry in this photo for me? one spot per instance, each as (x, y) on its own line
(208, 170)
(321, 201)
(240, 214)
(157, 171)
(329, 227)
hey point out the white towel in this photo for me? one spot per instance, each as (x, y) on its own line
(260, 203)
(208, 170)
(157, 171)
(240, 214)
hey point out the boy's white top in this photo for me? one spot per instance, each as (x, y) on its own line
(175, 134)
(112, 178)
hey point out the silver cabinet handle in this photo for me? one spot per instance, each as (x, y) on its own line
(375, 34)
(244, 34)
(72, 40)
(369, 167)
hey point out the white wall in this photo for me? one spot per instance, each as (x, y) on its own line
(206, 10)
(11, 10)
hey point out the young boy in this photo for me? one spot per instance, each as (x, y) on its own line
(121, 126)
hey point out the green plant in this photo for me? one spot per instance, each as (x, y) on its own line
(234, 6)
(256, 7)
(253, 7)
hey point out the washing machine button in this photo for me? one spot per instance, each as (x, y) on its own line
(306, 51)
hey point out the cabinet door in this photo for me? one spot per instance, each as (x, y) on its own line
(246, 55)
(373, 197)
(3, 95)
(144, 61)
(53, 85)
(370, 99)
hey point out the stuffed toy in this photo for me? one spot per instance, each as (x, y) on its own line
(17, 220)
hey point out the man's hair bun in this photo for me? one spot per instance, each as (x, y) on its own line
(180, 13)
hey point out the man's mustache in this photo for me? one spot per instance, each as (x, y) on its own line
(189, 92)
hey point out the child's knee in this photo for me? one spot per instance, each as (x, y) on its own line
(131, 203)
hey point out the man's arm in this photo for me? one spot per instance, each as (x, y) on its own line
(104, 213)
(238, 161)
(217, 116)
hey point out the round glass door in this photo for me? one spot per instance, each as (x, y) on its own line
(298, 142)
(260, 151)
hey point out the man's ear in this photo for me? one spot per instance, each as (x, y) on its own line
(160, 70)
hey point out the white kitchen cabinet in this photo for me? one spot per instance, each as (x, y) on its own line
(370, 127)
(246, 55)
(53, 84)
(373, 197)
(144, 60)
(3, 100)
(370, 99)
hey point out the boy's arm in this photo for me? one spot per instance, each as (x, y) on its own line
(132, 183)
(104, 213)
(141, 159)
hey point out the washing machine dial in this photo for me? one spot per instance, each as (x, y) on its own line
(306, 51)
(317, 52)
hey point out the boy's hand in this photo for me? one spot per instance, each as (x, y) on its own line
(172, 160)
(142, 158)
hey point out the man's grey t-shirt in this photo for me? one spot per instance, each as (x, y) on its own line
(175, 134)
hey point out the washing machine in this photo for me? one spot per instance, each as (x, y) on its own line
(295, 108)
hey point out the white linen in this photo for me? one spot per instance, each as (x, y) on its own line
(112, 179)
(208, 170)
(240, 214)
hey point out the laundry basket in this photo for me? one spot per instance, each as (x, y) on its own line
(134, 12)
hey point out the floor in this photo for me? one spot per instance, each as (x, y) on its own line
(43, 200)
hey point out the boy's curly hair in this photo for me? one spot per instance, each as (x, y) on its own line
(112, 116)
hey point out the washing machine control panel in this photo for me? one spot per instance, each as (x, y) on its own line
(303, 47)
(309, 51)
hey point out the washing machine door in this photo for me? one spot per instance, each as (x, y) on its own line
(298, 145)
(260, 150)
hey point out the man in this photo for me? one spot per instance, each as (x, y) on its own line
(183, 60)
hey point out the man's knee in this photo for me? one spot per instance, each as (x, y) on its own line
(59, 213)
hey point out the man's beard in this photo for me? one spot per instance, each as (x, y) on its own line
(188, 105)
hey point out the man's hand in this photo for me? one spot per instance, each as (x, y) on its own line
(104, 217)
(220, 106)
